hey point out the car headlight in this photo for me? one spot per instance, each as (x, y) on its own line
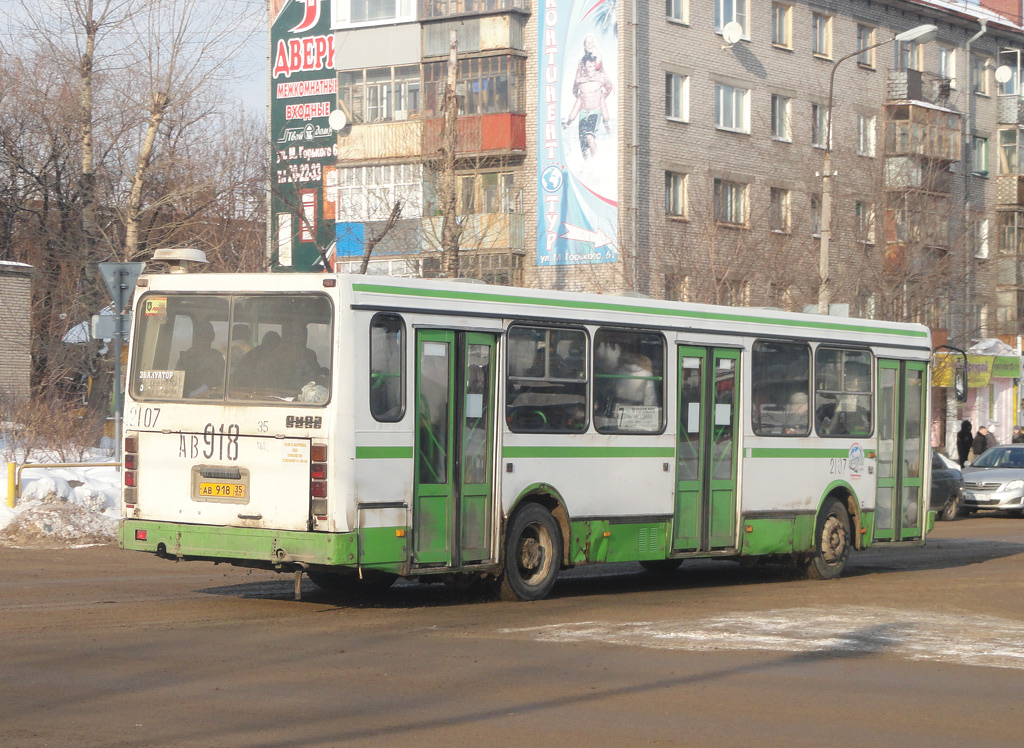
(1014, 485)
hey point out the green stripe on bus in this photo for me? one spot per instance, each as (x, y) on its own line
(383, 453)
(784, 453)
(504, 298)
(588, 452)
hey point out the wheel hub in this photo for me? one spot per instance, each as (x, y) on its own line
(530, 554)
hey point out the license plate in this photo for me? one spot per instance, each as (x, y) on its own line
(222, 490)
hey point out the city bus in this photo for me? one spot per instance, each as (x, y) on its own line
(358, 429)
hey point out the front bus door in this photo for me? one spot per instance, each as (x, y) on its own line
(899, 497)
(452, 502)
(705, 505)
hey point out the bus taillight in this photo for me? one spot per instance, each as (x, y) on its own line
(130, 471)
(318, 481)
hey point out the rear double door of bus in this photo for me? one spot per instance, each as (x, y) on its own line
(900, 489)
(707, 425)
(452, 502)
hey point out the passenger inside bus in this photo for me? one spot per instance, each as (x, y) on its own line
(203, 366)
(281, 364)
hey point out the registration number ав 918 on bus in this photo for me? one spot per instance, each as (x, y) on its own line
(222, 490)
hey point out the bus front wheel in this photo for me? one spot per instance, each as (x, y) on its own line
(533, 554)
(832, 542)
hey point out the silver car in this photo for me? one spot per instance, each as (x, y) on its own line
(996, 480)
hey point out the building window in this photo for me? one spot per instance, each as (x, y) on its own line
(1009, 224)
(979, 156)
(865, 42)
(486, 85)
(865, 222)
(675, 194)
(979, 75)
(369, 193)
(815, 215)
(381, 94)
(947, 65)
(678, 10)
(979, 229)
(730, 200)
(908, 56)
(732, 108)
(865, 135)
(778, 210)
(821, 40)
(819, 125)
(727, 11)
(348, 12)
(487, 192)
(677, 97)
(782, 25)
(733, 292)
(780, 118)
(1010, 58)
(1009, 151)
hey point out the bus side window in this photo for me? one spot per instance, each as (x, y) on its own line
(387, 368)
(780, 384)
(629, 381)
(547, 380)
(842, 399)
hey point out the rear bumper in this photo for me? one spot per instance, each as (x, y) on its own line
(250, 546)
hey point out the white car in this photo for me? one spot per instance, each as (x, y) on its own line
(996, 480)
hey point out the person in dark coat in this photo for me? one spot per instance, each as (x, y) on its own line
(964, 440)
(980, 442)
(1018, 435)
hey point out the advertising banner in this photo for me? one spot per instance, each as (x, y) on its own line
(303, 93)
(577, 133)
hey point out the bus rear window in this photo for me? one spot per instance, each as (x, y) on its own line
(271, 348)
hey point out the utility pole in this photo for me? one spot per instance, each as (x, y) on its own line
(451, 230)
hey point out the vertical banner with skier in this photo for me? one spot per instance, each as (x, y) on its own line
(577, 162)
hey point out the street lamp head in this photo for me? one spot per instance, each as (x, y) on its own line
(919, 34)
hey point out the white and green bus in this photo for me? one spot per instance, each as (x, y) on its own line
(359, 429)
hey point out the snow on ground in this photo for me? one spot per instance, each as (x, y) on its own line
(63, 507)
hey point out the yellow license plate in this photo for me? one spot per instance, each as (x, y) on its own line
(222, 490)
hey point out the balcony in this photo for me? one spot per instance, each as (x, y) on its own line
(1010, 110)
(382, 141)
(905, 85)
(922, 131)
(485, 133)
(1010, 190)
(481, 231)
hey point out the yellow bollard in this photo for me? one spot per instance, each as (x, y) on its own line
(12, 470)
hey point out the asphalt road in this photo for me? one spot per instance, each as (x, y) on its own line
(914, 646)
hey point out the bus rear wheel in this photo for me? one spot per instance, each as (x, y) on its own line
(832, 542)
(533, 554)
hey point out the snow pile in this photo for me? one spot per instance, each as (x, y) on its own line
(63, 507)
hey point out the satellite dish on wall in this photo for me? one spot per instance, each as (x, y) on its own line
(1004, 73)
(337, 120)
(732, 32)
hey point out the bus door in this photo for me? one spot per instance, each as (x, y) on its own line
(452, 501)
(899, 487)
(705, 500)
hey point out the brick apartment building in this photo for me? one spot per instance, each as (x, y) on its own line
(673, 149)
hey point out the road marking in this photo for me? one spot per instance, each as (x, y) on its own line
(978, 641)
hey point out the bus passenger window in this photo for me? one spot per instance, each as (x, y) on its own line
(387, 368)
(780, 383)
(203, 366)
(842, 398)
(547, 380)
(629, 382)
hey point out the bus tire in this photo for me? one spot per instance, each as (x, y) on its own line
(833, 538)
(533, 554)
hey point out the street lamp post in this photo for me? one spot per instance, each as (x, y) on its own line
(919, 34)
